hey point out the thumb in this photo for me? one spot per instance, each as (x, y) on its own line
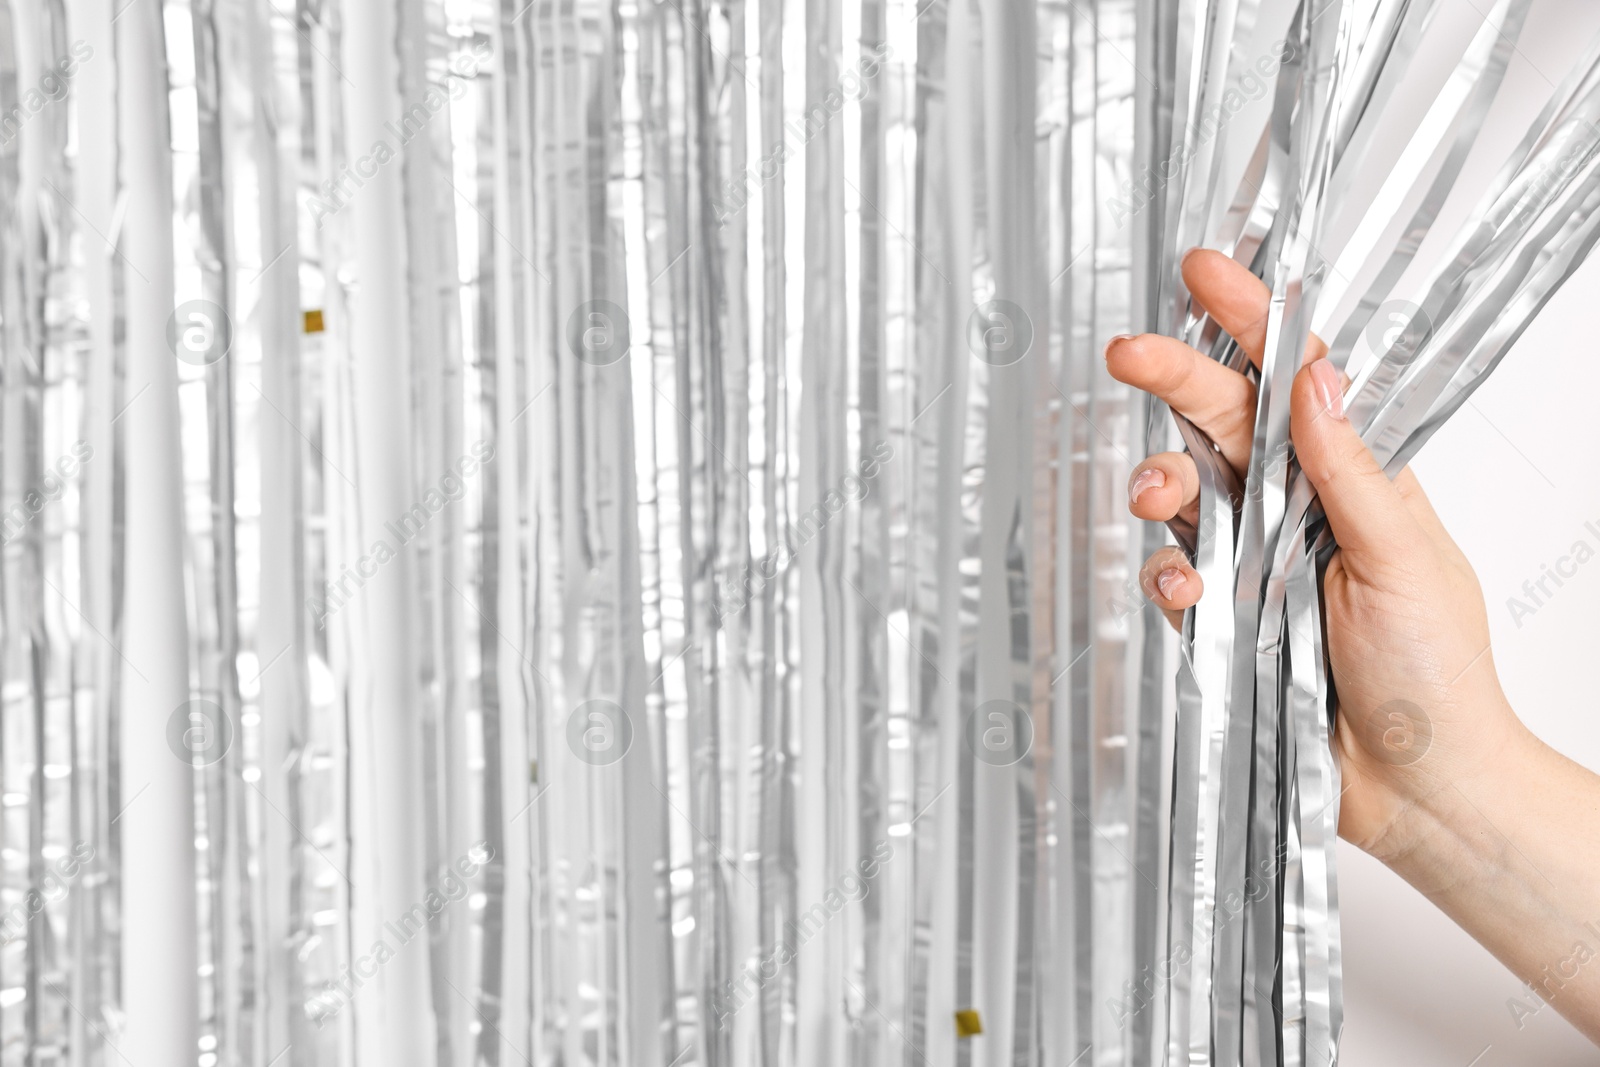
(1363, 506)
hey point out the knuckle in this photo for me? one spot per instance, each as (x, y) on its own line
(1173, 374)
(1358, 460)
(1233, 420)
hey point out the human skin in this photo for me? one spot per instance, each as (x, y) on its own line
(1495, 827)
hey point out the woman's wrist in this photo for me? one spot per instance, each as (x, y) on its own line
(1458, 826)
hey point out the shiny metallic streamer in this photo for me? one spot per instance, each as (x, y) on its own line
(660, 454)
(1273, 713)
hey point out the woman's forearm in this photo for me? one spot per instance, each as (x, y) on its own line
(1508, 853)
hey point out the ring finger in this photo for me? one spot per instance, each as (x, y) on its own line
(1170, 583)
(1164, 486)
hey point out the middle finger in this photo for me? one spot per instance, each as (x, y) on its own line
(1221, 401)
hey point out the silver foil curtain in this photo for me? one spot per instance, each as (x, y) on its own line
(594, 533)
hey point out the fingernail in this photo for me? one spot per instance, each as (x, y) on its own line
(1329, 392)
(1171, 580)
(1186, 256)
(1150, 478)
(1115, 340)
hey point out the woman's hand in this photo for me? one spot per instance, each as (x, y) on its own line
(1419, 704)
(1441, 781)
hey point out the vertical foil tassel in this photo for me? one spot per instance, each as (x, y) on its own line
(594, 534)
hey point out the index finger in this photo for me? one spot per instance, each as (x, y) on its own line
(1238, 301)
